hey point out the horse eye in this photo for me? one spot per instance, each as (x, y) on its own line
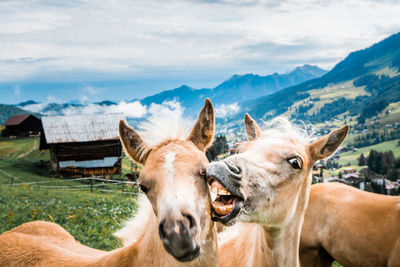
(143, 188)
(295, 162)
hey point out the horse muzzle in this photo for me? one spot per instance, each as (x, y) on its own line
(177, 237)
(224, 180)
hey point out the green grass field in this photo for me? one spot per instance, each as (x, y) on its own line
(351, 157)
(90, 217)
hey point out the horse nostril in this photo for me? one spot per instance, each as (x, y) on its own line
(192, 223)
(161, 231)
(233, 168)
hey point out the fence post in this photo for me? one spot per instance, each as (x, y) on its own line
(12, 180)
(122, 186)
(91, 185)
(38, 184)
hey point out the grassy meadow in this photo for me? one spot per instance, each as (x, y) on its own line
(90, 217)
(351, 157)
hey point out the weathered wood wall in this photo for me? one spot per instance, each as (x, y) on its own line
(82, 151)
(87, 150)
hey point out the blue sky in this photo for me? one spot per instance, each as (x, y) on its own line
(121, 50)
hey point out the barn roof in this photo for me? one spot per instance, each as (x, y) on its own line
(83, 128)
(16, 120)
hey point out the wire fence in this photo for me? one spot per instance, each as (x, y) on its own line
(92, 184)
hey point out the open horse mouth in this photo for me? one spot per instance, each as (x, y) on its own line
(225, 204)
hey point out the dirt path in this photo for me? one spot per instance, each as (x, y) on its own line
(30, 150)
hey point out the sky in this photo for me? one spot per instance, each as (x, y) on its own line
(88, 51)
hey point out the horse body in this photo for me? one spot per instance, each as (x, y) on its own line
(42, 243)
(355, 227)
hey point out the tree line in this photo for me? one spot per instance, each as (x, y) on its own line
(375, 137)
(381, 163)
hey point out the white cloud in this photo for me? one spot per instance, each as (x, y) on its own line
(84, 110)
(92, 91)
(36, 108)
(90, 94)
(84, 99)
(222, 111)
(140, 38)
(131, 110)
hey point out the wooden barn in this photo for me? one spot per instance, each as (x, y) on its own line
(83, 145)
(22, 125)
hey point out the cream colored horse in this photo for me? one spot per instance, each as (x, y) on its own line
(267, 183)
(173, 228)
(354, 227)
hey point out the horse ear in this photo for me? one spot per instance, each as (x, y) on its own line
(327, 145)
(134, 145)
(252, 129)
(203, 131)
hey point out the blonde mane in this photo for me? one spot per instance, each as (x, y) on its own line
(164, 125)
(281, 127)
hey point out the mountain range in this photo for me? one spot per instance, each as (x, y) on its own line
(360, 86)
(238, 88)
(379, 63)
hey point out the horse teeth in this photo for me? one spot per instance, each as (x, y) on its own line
(214, 189)
(223, 191)
(223, 210)
(213, 196)
(218, 189)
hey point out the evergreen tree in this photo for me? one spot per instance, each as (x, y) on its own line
(362, 161)
(371, 160)
(221, 144)
(211, 154)
(389, 158)
(393, 174)
(384, 191)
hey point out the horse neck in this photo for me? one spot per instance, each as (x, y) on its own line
(284, 241)
(148, 250)
(285, 246)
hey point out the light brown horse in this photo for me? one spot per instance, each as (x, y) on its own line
(354, 227)
(173, 227)
(268, 183)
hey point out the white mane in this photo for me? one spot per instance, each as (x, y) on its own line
(281, 127)
(163, 125)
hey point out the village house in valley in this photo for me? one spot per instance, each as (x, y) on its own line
(83, 145)
(22, 125)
